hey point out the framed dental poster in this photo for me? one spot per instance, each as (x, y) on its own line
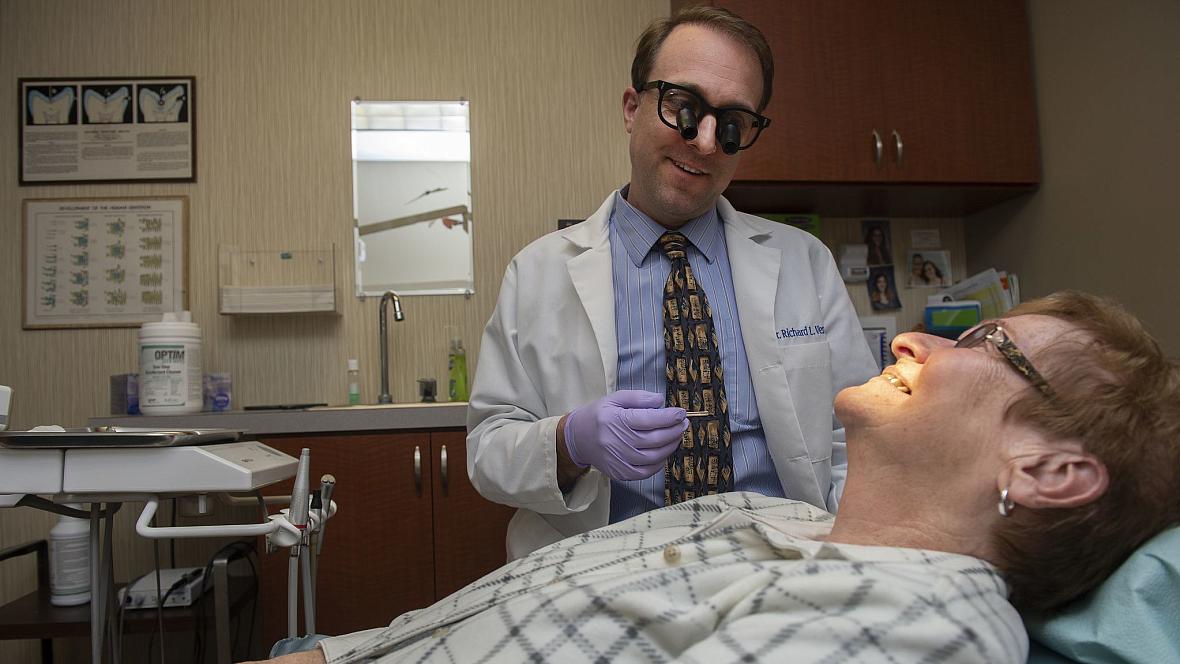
(103, 262)
(107, 130)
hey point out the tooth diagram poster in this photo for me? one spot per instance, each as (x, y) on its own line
(103, 262)
(107, 130)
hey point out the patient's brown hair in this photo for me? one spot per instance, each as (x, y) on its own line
(1119, 396)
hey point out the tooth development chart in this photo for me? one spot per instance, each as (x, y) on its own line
(107, 130)
(103, 262)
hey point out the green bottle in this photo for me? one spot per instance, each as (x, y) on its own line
(457, 370)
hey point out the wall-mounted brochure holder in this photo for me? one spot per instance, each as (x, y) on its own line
(879, 332)
(277, 281)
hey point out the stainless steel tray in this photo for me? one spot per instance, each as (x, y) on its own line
(117, 437)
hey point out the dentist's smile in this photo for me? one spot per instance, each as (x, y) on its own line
(686, 168)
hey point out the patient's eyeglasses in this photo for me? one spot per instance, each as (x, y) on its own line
(682, 109)
(992, 332)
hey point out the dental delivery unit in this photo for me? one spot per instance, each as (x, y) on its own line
(106, 466)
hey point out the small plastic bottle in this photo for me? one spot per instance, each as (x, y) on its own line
(457, 369)
(69, 561)
(354, 382)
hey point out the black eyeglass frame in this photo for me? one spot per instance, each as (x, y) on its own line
(760, 121)
(994, 333)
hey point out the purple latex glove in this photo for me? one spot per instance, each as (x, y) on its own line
(626, 435)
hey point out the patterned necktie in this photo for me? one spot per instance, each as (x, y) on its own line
(704, 462)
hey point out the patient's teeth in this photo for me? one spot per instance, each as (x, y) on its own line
(896, 382)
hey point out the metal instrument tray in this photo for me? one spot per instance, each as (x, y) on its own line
(110, 436)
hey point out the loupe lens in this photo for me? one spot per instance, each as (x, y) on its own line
(686, 122)
(730, 137)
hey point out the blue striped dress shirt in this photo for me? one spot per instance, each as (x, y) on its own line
(639, 272)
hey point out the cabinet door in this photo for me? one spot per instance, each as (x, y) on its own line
(958, 90)
(827, 99)
(378, 554)
(469, 530)
(952, 79)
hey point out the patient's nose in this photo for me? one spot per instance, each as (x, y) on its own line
(917, 345)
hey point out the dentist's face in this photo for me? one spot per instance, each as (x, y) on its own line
(674, 180)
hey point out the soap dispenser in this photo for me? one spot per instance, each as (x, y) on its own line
(457, 367)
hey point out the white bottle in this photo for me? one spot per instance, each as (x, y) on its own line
(69, 561)
(170, 378)
(354, 382)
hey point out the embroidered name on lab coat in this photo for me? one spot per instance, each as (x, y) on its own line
(805, 331)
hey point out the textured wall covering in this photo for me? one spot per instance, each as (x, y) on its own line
(274, 80)
(545, 79)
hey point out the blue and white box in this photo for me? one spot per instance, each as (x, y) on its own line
(125, 394)
(218, 390)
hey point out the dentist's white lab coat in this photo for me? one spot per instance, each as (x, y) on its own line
(550, 347)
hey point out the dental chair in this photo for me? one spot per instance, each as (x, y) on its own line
(1132, 618)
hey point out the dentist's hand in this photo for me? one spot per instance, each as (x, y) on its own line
(626, 435)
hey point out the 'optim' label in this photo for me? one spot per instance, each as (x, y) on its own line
(169, 375)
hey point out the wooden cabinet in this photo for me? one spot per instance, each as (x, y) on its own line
(943, 88)
(957, 87)
(400, 540)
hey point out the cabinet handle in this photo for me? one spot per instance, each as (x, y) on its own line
(878, 149)
(418, 469)
(897, 144)
(442, 456)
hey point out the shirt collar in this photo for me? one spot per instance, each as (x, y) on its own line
(640, 232)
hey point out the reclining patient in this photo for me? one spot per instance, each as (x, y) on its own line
(1013, 469)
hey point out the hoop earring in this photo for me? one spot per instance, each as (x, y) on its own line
(1006, 505)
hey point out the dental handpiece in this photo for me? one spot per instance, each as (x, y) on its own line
(297, 516)
(299, 493)
(327, 486)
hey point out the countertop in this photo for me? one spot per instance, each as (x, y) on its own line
(393, 417)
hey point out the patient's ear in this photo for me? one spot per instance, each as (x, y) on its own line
(1056, 479)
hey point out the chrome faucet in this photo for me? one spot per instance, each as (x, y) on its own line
(384, 334)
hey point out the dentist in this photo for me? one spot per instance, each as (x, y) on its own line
(587, 371)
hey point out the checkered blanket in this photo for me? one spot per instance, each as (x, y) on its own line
(732, 578)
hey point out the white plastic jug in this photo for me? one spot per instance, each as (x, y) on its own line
(170, 379)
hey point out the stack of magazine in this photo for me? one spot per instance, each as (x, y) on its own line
(996, 291)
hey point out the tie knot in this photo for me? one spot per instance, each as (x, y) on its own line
(673, 245)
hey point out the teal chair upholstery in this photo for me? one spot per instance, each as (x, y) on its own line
(1132, 618)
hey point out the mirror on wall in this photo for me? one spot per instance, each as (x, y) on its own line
(411, 174)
